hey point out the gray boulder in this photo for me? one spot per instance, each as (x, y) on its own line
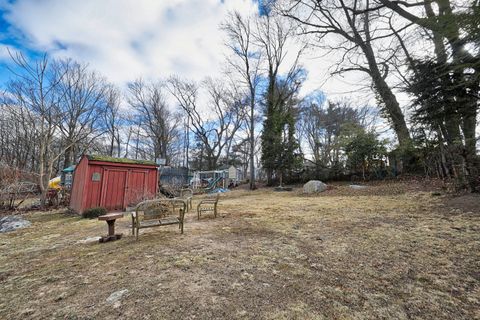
(11, 223)
(314, 186)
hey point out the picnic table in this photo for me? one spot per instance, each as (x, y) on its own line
(110, 219)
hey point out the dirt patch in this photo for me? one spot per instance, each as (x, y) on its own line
(463, 204)
(386, 254)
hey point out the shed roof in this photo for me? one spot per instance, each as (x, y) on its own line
(120, 160)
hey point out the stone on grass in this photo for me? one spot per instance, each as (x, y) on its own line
(114, 298)
(89, 240)
(314, 186)
(356, 186)
(11, 223)
(282, 188)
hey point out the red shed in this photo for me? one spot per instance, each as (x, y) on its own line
(112, 183)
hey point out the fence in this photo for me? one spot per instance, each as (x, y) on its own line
(174, 176)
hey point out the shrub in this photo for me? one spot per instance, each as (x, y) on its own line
(94, 212)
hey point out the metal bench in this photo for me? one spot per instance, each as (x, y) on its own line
(158, 212)
(209, 204)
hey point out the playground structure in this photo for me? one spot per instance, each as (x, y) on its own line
(211, 180)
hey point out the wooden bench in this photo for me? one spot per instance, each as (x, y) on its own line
(158, 212)
(209, 204)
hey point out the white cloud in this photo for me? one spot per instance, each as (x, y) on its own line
(127, 39)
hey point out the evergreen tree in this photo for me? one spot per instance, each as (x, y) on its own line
(279, 144)
(362, 148)
(443, 103)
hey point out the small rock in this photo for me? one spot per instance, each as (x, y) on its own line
(316, 266)
(356, 186)
(27, 312)
(61, 297)
(114, 298)
(11, 223)
(89, 240)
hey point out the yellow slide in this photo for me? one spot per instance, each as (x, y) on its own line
(54, 183)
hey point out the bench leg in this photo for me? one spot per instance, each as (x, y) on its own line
(133, 226)
(182, 220)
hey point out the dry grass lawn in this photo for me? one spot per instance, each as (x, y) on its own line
(387, 252)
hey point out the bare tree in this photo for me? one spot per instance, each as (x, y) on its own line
(229, 108)
(245, 63)
(153, 116)
(17, 149)
(112, 120)
(323, 121)
(352, 30)
(83, 102)
(35, 99)
(214, 132)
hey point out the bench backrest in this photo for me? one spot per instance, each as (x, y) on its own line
(159, 208)
(213, 199)
(186, 193)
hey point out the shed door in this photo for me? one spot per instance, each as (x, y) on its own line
(135, 187)
(114, 189)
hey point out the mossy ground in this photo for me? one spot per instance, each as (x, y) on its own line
(388, 252)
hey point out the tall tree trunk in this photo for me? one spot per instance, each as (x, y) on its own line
(392, 107)
(68, 155)
(41, 174)
(252, 142)
(112, 143)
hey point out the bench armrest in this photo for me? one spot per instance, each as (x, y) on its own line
(208, 201)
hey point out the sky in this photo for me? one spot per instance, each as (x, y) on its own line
(150, 39)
